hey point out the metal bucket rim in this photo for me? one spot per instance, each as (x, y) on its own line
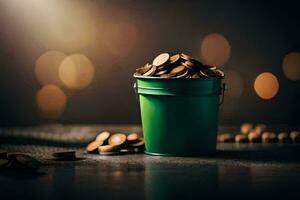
(174, 78)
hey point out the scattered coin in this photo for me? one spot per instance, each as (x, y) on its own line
(140, 143)
(161, 59)
(269, 137)
(109, 150)
(93, 146)
(241, 138)
(65, 155)
(226, 138)
(132, 137)
(295, 136)
(117, 139)
(103, 136)
(246, 128)
(24, 161)
(284, 138)
(260, 128)
(254, 137)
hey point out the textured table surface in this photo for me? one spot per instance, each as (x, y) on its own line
(260, 171)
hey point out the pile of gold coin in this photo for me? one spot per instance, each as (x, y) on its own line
(118, 143)
(259, 134)
(178, 66)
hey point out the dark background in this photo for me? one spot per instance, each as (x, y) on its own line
(260, 33)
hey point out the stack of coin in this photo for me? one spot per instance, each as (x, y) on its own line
(178, 66)
(117, 143)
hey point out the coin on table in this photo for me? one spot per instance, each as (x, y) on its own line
(178, 70)
(295, 136)
(245, 128)
(161, 59)
(109, 150)
(269, 137)
(144, 69)
(140, 143)
(241, 138)
(3, 155)
(226, 138)
(64, 155)
(174, 59)
(103, 136)
(127, 150)
(284, 137)
(151, 71)
(93, 146)
(254, 137)
(132, 137)
(25, 161)
(117, 139)
(260, 128)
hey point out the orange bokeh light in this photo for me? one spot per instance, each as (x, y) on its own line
(266, 85)
(51, 101)
(291, 66)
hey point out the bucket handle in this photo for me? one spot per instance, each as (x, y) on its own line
(224, 87)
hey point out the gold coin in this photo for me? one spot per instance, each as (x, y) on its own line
(167, 75)
(225, 138)
(219, 72)
(117, 139)
(195, 76)
(203, 74)
(259, 128)
(183, 75)
(138, 144)
(132, 137)
(108, 148)
(177, 70)
(103, 136)
(161, 59)
(254, 137)
(93, 146)
(144, 69)
(246, 128)
(284, 137)
(161, 72)
(269, 137)
(151, 71)
(174, 59)
(241, 138)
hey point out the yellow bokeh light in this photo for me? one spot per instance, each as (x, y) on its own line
(46, 67)
(121, 38)
(266, 85)
(76, 71)
(51, 101)
(291, 66)
(235, 83)
(215, 50)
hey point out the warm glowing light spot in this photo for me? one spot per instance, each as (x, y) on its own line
(266, 85)
(76, 71)
(51, 101)
(235, 83)
(291, 66)
(46, 67)
(120, 38)
(215, 49)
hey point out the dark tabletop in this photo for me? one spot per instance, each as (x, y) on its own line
(237, 171)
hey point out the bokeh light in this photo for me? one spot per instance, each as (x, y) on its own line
(76, 71)
(235, 83)
(291, 66)
(121, 38)
(51, 101)
(215, 50)
(46, 67)
(266, 85)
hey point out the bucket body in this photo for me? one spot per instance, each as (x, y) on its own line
(179, 116)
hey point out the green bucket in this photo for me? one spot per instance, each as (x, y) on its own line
(179, 116)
